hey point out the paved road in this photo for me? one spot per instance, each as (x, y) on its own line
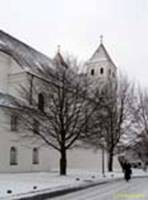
(136, 189)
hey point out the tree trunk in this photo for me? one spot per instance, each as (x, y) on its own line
(110, 161)
(63, 162)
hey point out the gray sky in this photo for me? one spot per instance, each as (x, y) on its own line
(77, 24)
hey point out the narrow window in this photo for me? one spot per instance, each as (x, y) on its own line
(14, 122)
(41, 102)
(13, 156)
(35, 156)
(92, 72)
(101, 70)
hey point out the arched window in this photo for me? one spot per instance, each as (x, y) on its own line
(13, 156)
(92, 72)
(35, 156)
(101, 70)
(41, 102)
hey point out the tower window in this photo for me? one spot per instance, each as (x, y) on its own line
(14, 122)
(92, 72)
(35, 156)
(41, 102)
(101, 70)
(13, 156)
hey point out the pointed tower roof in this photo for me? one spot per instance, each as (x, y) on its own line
(58, 59)
(101, 54)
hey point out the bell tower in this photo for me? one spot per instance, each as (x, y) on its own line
(100, 66)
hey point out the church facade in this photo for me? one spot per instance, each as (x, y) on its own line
(18, 64)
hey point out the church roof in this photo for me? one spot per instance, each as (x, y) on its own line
(101, 52)
(23, 54)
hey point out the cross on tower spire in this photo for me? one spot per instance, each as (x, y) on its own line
(59, 48)
(101, 39)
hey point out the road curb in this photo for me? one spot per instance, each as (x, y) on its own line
(65, 191)
(62, 191)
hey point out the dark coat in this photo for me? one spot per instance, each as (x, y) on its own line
(127, 171)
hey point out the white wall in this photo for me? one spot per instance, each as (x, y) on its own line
(83, 159)
(11, 77)
(24, 147)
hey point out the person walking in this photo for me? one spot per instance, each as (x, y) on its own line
(127, 171)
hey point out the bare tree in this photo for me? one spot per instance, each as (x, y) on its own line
(113, 116)
(140, 113)
(58, 100)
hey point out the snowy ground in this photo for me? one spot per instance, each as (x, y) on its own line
(136, 189)
(23, 184)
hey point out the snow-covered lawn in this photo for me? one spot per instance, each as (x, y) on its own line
(22, 184)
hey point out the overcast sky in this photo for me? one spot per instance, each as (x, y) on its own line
(77, 24)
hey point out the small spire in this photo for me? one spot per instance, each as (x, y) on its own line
(58, 48)
(101, 39)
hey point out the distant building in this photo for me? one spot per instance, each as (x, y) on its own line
(18, 64)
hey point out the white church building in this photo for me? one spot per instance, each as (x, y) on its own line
(18, 62)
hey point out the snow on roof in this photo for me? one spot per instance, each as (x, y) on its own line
(23, 54)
